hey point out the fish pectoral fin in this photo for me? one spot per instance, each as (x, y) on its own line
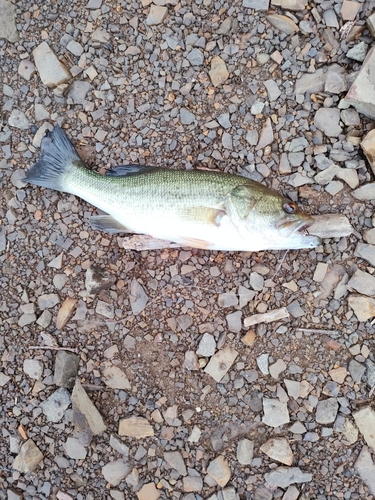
(205, 215)
(107, 224)
(131, 169)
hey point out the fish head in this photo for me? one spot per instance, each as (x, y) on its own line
(282, 223)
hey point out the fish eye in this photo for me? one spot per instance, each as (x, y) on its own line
(289, 207)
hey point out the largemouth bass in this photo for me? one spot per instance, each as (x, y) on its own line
(194, 208)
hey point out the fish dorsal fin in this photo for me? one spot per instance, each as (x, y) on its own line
(107, 224)
(131, 169)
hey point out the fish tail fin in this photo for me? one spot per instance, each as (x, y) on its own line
(58, 156)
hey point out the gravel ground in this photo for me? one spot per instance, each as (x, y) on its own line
(137, 375)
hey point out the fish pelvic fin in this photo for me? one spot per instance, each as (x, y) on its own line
(58, 155)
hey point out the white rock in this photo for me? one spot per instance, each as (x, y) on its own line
(33, 368)
(114, 472)
(278, 449)
(74, 449)
(245, 451)
(365, 421)
(275, 412)
(221, 362)
(156, 15)
(219, 470)
(52, 72)
(366, 469)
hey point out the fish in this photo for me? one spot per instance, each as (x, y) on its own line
(194, 208)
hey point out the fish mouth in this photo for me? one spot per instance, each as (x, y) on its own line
(296, 226)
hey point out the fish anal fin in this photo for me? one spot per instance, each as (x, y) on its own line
(107, 224)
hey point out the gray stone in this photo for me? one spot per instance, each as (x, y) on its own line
(26, 69)
(83, 404)
(275, 412)
(48, 300)
(335, 83)
(75, 48)
(97, 279)
(365, 192)
(118, 445)
(278, 449)
(350, 117)
(105, 309)
(327, 120)
(207, 345)
(295, 309)
(192, 483)
(221, 362)
(18, 119)
(51, 71)
(186, 116)
(94, 4)
(366, 469)
(40, 112)
(282, 477)
(277, 368)
(138, 297)
(74, 449)
(66, 369)
(234, 321)
(290, 4)
(228, 299)
(78, 91)
(283, 23)
(365, 421)
(326, 411)
(262, 362)
(224, 120)
(114, 377)
(256, 281)
(363, 307)
(361, 94)
(245, 451)
(175, 460)
(55, 405)
(33, 368)
(273, 90)
(356, 370)
(358, 52)
(219, 470)
(258, 5)
(156, 15)
(330, 19)
(362, 282)
(26, 319)
(195, 57)
(218, 72)
(114, 472)
(366, 252)
(266, 135)
(28, 457)
(8, 28)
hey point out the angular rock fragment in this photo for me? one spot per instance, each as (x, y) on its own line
(137, 427)
(218, 72)
(33, 368)
(219, 470)
(221, 362)
(28, 457)
(290, 4)
(275, 412)
(65, 311)
(156, 15)
(97, 279)
(283, 23)
(114, 472)
(365, 421)
(365, 192)
(148, 492)
(282, 477)
(245, 450)
(114, 377)
(66, 369)
(368, 146)
(175, 460)
(258, 5)
(366, 469)
(51, 71)
(362, 282)
(83, 404)
(278, 449)
(138, 297)
(74, 449)
(267, 317)
(18, 119)
(327, 120)
(326, 411)
(361, 94)
(266, 135)
(8, 28)
(55, 405)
